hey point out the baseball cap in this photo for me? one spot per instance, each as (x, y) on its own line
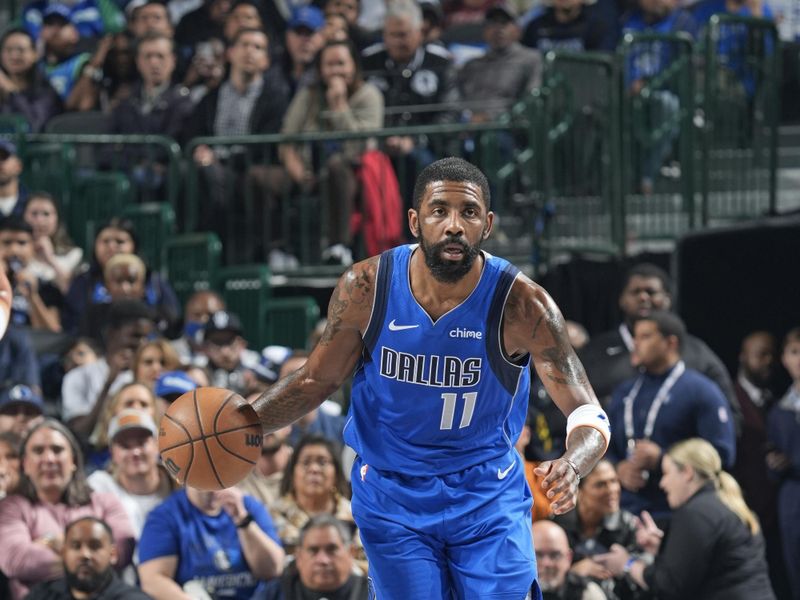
(61, 11)
(309, 17)
(128, 419)
(21, 394)
(9, 147)
(222, 320)
(172, 384)
(269, 365)
(503, 9)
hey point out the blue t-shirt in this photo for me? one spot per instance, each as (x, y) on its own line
(436, 397)
(86, 15)
(207, 547)
(649, 58)
(64, 75)
(703, 11)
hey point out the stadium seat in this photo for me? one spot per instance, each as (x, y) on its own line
(155, 224)
(190, 262)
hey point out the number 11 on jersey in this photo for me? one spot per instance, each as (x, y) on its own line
(449, 409)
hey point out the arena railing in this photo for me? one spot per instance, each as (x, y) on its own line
(739, 103)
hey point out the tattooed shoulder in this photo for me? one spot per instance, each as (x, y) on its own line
(352, 297)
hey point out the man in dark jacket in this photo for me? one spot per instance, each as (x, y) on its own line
(252, 100)
(607, 357)
(89, 557)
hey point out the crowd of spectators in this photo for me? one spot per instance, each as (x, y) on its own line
(99, 344)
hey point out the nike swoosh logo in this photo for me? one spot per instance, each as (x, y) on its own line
(502, 474)
(394, 327)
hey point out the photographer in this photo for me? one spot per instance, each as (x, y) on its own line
(35, 303)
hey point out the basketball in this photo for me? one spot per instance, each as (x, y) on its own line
(209, 438)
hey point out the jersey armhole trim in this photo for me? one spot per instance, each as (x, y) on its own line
(383, 279)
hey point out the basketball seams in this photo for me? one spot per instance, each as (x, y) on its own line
(219, 410)
(205, 443)
(186, 431)
(239, 456)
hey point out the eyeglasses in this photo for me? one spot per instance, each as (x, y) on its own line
(320, 461)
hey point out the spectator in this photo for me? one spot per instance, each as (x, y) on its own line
(714, 548)
(313, 484)
(198, 309)
(155, 106)
(148, 17)
(206, 69)
(505, 73)
(89, 558)
(323, 566)
(705, 9)
(264, 481)
(84, 390)
(125, 278)
(117, 236)
(665, 404)
(52, 492)
(340, 101)
(350, 11)
(92, 18)
(783, 459)
(458, 13)
(9, 463)
(541, 503)
(134, 475)
(607, 357)
(219, 543)
(432, 21)
(81, 352)
(267, 370)
(75, 75)
(226, 349)
(119, 73)
(335, 28)
(132, 396)
(757, 361)
(24, 90)
(302, 41)
(569, 25)
(36, 303)
(410, 72)
(154, 358)
(56, 258)
(21, 408)
(251, 101)
(243, 15)
(203, 23)
(553, 560)
(595, 525)
(12, 193)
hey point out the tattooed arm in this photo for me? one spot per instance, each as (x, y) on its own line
(334, 357)
(533, 323)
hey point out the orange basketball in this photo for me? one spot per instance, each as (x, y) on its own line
(210, 438)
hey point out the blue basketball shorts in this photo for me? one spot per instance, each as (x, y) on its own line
(464, 535)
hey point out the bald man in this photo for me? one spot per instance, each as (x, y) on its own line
(553, 560)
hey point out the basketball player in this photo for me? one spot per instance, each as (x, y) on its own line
(441, 336)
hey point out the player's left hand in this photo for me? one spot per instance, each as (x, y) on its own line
(560, 484)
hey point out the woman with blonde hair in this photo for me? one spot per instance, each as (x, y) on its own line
(713, 550)
(154, 358)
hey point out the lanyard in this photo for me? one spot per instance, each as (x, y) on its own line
(652, 414)
(627, 338)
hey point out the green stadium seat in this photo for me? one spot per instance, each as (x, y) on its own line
(190, 262)
(96, 198)
(291, 320)
(155, 224)
(246, 291)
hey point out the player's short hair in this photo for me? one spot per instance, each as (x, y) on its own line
(100, 522)
(321, 522)
(668, 324)
(451, 169)
(649, 271)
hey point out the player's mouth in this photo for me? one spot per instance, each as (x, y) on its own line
(453, 252)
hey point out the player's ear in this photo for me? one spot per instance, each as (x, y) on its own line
(487, 230)
(413, 222)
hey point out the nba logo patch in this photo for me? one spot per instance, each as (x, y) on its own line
(364, 469)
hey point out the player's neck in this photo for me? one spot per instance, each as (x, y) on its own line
(435, 295)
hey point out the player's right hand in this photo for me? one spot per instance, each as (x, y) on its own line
(560, 484)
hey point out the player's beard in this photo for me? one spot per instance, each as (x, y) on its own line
(449, 271)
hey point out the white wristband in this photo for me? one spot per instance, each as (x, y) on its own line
(589, 415)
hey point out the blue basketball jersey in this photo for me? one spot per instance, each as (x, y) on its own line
(436, 397)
